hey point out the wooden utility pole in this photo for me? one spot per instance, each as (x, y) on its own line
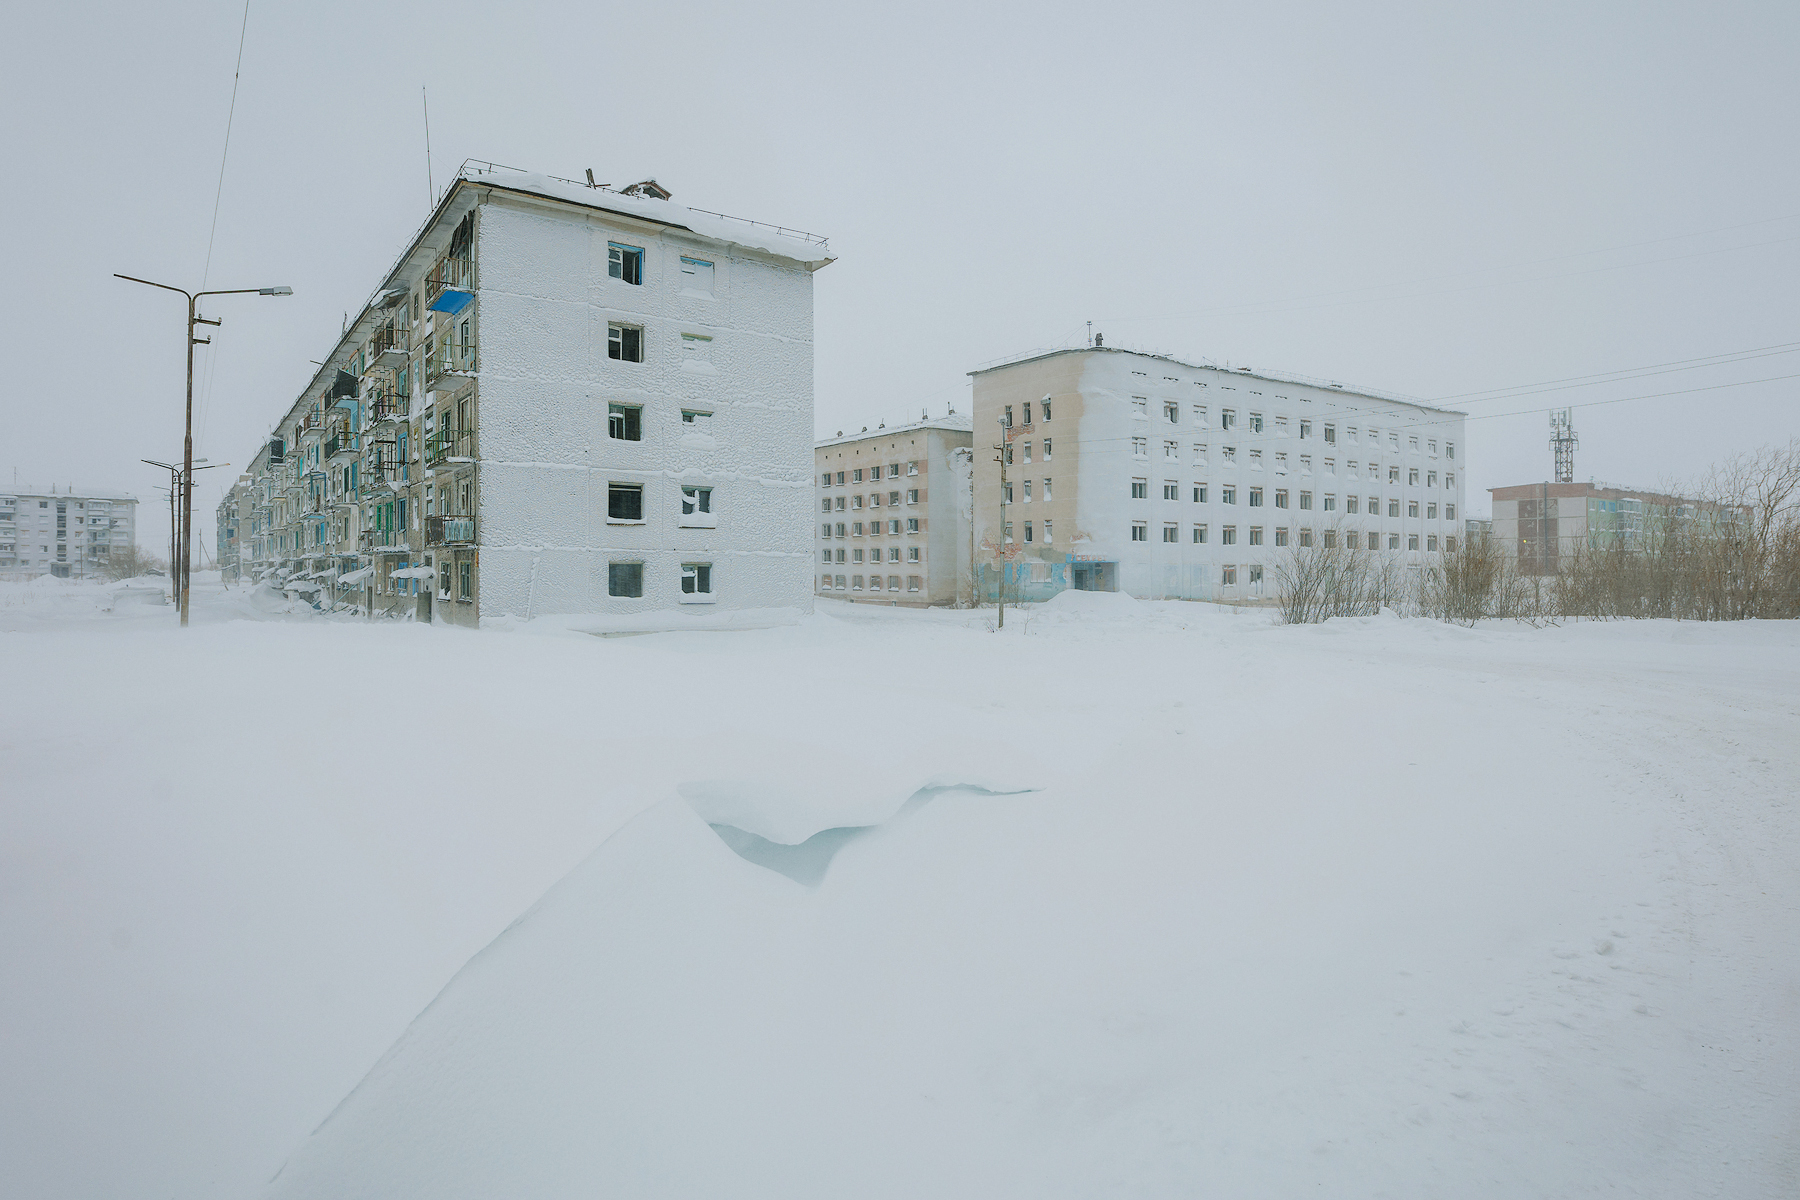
(1000, 540)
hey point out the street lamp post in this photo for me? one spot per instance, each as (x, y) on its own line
(177, 583)
(187, 446)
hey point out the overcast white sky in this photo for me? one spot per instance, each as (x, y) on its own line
(1430, 199)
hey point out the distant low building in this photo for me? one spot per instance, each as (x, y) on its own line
(68, 535)
(1542, 524)
(894, 513)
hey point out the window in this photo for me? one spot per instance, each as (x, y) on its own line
(1140, 489)
(1171, 450)
(855, 476)
(1200, 454)
(1306, 537)
(1256, 535)
(1140, 447)
(856, 528)
(1227, 418)
(1171, 489)
(696, 351)
(1140, 407)
(1281, 498)
(1228, 535)
(1199, 534)
(893, 470)
(625, 263)
(874, 499)
(1431, 447)
(1330, 538)
(840, 529)
(1281, 535)
(1431, 541)
(1330, 503)
(856, 503)
(696, 276)
(912, 552)
(912, 525)
(1008, 421)
(1449, 449)
(625, 502)
(625, 342)
(624, 422)
(1140, 532)
(840, 482)
(696, 579)
(1393, 474)
(625, 579)
(1449, 545)
(1046, 487)
(825, 479)
(1350, 504)
(840, 503)
(1027, 456)
(1431, 512)
(1305, 500)
(1006, 533)
(1228, 576)
(1306, 429)
(1450, 480)
(1199, 493)
(1200, 415)
(1028, 412)
(1171, 412)
(1412, 477)
(912, 494)
(1046, 440)
(913, 583)
(1027, 533)
(825, 506)
(893, 554)
(856, 556)
(1412, 443)
(1171, 532)
(1256, 497)
(856, 583)
(1412, 509)
(1256, 422)
(696, 500)
(1047, 537)
(1449, 512)
(1431, 479)
(1228, 494)
(1281, 426)
(1393, 541)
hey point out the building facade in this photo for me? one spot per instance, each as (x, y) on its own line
(64, 534)
(893, 518)
(1542, 524)
(562, 399)
(1142, 474)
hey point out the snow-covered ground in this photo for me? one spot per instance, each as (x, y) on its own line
(1159, 900)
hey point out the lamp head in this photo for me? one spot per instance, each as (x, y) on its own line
(275, 291)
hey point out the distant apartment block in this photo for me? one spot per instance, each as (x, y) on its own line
(1143, 474)
(562, 399)
(63, 534)
(893, 520)
(1542, 524)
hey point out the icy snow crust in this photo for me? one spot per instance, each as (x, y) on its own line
(1382, 907)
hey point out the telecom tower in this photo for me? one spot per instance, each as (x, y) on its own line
(1563, 441)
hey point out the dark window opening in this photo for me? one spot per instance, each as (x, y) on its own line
(625, 579)
(624, 263)
(625, 501)
(624, 422)
(625, 343)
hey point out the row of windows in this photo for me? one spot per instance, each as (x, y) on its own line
(1025, 446)
(1006, 490)
(856, 556)
(829, 583)
(625, 422)
(1228, 419)
(1353, 469)
(626, 264)
(856, 475)
(625, 343)
(894, 526)
(626, 579)
(625, 501)
(856, 502)
(1228, 494)
(1228, 536)
(1043, 405)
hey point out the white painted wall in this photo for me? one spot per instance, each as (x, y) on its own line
(545, 301)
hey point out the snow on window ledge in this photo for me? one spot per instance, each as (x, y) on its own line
(697, 598)
(624, 521)
(699, 520)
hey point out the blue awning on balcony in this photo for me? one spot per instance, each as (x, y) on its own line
(451, 300)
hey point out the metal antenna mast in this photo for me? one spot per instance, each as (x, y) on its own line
(1563, 441)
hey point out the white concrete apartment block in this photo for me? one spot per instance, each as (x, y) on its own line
(892, 517)
(1163, 479)
(70, 535)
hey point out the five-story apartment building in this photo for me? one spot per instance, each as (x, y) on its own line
(68, 535)
(893, 516)
(1166, 480)
(562, 399)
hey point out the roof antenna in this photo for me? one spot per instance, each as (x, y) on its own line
(1090, 333)
(430, 183)
(590, 175)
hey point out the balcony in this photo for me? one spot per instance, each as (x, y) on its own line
(383, 541)
(388, 348)
(340, 442)
(384, 405)
(450, 357)
(451, 286)
(449, 444)
(449, 531)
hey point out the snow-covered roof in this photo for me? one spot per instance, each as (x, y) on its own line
(1268, 375)
(65, 493)
(809, 249)
(954, 423)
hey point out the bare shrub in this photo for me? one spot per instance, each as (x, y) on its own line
(128, 562)
(1318, 582)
